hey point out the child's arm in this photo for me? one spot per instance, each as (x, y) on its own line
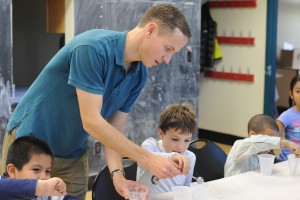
(150, 144)
(17, 188)
(281, 129)
(189, 176)
(295, 148)
(30, 188)
(245, 148)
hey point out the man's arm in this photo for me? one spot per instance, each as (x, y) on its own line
(90, 106)
(113, 158)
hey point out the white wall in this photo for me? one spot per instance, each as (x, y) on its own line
(288, 28)
(225, 105)
(69, 17)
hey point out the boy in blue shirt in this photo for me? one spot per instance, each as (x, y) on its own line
(28, 167)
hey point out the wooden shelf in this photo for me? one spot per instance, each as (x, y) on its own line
(55, 16)
(229, 76)
(232, 3)
(235, 40)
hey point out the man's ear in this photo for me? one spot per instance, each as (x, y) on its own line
(151, 28)
(160, 133)
(11, 170)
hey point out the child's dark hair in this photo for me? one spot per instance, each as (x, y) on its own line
(260, 122)
(178, 116)
(292, 85)
(22, 149)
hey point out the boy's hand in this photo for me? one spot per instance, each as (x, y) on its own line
(183, 162)
(51, 187)
(295, 148)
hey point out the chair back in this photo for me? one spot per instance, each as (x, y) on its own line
(103, 188)
(210, 159)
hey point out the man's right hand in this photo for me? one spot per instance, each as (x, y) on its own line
(162, 167)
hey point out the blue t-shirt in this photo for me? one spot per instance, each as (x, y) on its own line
(94, 62)
(291, 120)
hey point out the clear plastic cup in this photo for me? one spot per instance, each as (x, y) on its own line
(182, 193)
(266, 162)
(137, 193)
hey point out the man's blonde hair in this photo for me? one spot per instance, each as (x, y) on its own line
(167, 17)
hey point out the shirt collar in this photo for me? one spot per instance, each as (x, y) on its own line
(120, 51)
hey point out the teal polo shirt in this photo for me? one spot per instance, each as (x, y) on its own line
(94, 62)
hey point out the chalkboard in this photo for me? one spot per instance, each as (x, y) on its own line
(5, 64)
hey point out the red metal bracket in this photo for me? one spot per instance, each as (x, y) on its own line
(235, 40)
(232, 3)
(229, 76)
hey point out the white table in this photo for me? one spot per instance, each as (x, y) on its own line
(253, 186)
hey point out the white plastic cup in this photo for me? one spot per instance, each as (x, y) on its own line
(199, 191)
(291, 162)
(297, 166)
(137, 193)
(266, 162)
(182, 193)
(294, 164)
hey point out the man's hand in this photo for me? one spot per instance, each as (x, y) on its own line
(162, 167)
(183, 162)
(122, 186)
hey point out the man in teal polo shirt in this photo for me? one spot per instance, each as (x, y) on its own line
(89, 87)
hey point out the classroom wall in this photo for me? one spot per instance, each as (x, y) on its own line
(225, 106)
(288, 24)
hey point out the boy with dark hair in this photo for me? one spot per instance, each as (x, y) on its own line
(28, 167)
(263, 137)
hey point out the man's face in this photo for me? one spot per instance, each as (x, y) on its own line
(175, 140)
(38, 167)
(158, 49)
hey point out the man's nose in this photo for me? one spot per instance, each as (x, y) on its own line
(167, 58)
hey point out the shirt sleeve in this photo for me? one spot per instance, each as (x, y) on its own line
(189, 177)
(85, 69)
(17, 188)
(69, 197)
(253, 145)
(152, 146)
